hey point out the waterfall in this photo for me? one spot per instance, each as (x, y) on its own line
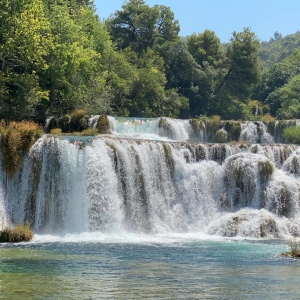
(134, 126)
(127, 181)
(93, 120)
(255, 132)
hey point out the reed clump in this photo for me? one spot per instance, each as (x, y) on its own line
(20, 233)
(16, 140)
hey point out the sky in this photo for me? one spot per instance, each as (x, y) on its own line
(264, 17)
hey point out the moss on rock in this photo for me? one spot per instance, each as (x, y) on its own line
(103, 125)
(221, 136)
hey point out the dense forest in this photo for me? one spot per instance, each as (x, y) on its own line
(57, 56)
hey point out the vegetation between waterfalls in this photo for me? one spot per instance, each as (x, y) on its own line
(19, 233)
(291, 134)
(16, 140)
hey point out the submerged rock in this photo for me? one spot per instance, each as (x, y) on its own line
(103, 125)
(245, 176)
(221, 136)
(246, 223)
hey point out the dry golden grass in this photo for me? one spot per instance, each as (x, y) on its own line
(216, 118)
(56, 131)
(267, 117)
(89, 132)
(20, 233)
(16, 140)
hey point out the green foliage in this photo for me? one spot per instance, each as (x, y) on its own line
(206, 47)
(292, 134)
(244, 63)
(73, 77)
(278, 48)
(140, 27)
(25, 41)
(275, 78)
(288, 99)
(58, 56)
(184, 75)
(78, 120)
(266, 169)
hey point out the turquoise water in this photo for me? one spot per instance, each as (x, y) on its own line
(148, 269)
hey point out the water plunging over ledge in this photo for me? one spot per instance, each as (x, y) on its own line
(157, 209)
(150, 176)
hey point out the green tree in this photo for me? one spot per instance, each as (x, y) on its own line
(288, 98)
(25, 41)
(278, 48)
(73, 78)
(206, 47)
(149, 95)
(120, 76)
(141, 27)
(276, 77)
(243, 72)
(184, 75)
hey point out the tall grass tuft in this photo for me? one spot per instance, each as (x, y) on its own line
(56, 131)
(16, 140)
(20, 233)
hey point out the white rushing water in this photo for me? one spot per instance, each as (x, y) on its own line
(151, 129)
(125, 182)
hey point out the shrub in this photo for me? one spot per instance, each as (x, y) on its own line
(77, 115)
(79, 120)
(292, 134)
(20, 233)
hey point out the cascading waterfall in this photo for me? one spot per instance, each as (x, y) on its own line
(134, 126)
(255, 133)
(128, 181)
(93, 120)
